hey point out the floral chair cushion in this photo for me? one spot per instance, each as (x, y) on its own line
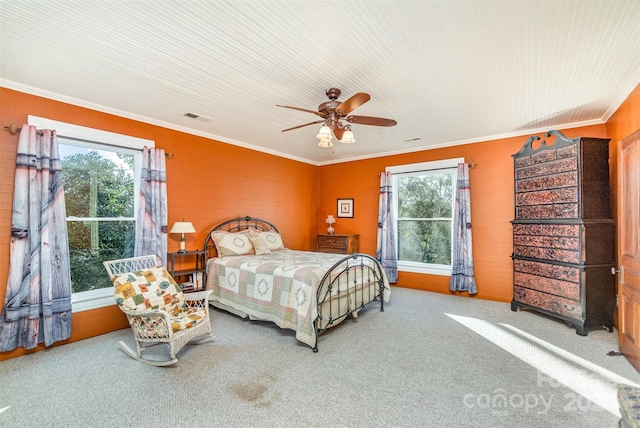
(155, 288)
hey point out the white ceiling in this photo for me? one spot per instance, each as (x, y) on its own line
(449, 72)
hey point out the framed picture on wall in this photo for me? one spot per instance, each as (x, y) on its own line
(345, 208)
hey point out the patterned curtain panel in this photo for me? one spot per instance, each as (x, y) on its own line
(386, 246)
(462, 276)
(151, 227)
(37, 306)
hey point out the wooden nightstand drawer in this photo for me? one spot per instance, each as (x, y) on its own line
(341, 244)
(335, 241)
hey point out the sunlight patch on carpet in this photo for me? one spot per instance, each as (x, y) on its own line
(593, 382)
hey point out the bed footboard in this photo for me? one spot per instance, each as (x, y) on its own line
(347, 287)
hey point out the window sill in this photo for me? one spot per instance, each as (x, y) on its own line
(94, 299)
(442, 270)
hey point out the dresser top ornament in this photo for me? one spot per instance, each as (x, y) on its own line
(561, 141)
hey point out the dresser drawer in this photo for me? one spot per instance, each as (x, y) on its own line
(548, 302)
(554, 181)
(336, 250)
(590, 242)
(339, 244)
(561, 243)
(527, 170)
(546, 229)
(560, 280)
(565, 256)
(547, 197)
(550, 154)
(551, 211)
(333, 241)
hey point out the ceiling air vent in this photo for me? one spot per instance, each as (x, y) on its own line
(198, 117)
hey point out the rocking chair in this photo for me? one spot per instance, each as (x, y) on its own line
(157, 309)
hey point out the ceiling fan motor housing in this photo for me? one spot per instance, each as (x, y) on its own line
(328, 110)
(333, 93)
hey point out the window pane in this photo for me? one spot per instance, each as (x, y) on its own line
(424, 214)
(97, 183)
(91, 243)
(425, 241)
(425, 196)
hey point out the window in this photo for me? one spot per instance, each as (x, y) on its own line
(424, 199)
(101, 173)
(100, 200)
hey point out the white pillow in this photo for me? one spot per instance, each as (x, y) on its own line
(232, 244)
(272, 239)
(259, 245)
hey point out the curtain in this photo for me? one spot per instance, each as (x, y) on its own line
(462, 275)
(386, 246)
(151, 227)
(37, 305)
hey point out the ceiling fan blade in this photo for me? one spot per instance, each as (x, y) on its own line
(338, 132)
(369, 120)
(352, 103)
(304, 109)
(300, 126)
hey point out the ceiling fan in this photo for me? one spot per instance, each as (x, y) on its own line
(333, 112)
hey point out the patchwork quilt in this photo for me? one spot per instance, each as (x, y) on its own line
(279, 287)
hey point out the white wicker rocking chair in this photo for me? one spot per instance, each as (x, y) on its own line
(157, 309)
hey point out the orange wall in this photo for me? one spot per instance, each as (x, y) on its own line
(492, 207)
(626, 119)
(208, 182)
(624, 122)
(223, 181)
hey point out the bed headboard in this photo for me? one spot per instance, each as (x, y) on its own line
(237, 225)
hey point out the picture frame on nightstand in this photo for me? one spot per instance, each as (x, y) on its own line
(345, 208)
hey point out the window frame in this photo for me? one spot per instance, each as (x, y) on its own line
(395, 171)
(97, 139)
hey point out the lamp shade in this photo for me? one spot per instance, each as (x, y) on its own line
(183, 227)
(324, 133)
(325, 142)
(347, 137)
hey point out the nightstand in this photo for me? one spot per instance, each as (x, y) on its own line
(338, 243)
(191, 278)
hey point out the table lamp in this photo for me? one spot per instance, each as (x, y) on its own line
(330, 221)
(182, 227)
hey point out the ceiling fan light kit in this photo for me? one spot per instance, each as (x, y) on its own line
(333, 111)
(325, 143)
(325, 136)
(325, 132)
(347, 137)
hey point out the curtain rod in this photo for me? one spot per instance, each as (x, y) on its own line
(471, 166)
(14, 129)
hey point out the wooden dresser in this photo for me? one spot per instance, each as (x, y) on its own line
(338, 243)
(563, 234)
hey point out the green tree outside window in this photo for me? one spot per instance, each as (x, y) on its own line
(99, 198)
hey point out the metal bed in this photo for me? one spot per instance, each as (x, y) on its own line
(347, 285)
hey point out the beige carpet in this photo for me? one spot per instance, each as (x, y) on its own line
(429, 360)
